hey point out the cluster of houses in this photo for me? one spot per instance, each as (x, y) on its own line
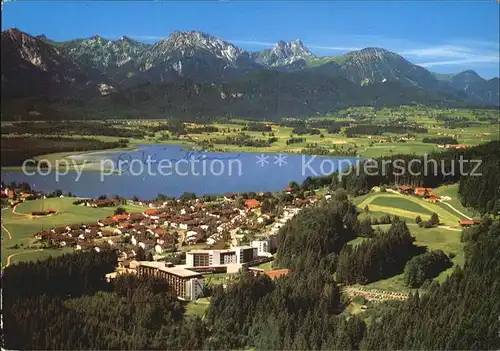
(426, 193)
(451, 146)
(16, 196)
(97, 202)
(163, 226)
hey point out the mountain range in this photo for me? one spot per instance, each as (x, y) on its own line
(200, 68)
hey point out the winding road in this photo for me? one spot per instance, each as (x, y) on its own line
(457, 211)
(19, 253)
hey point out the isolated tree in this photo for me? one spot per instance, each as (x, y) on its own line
(340, 194)
(141, 254)
(418, 219)
(267, 206)
(490, 205)
(367, 209)
(120, 211)
(434, 220)
(365, 228)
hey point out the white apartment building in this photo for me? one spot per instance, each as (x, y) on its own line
(236, 255)
(265, 245)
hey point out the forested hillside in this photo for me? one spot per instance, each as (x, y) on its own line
(64, 303)
(476, 169)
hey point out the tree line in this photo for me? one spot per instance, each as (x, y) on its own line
(15, 150)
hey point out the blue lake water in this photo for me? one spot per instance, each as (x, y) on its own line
(172, 170)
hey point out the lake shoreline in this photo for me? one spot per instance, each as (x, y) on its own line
(75, 156)
(173, 170)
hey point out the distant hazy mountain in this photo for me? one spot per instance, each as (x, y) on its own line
(473, 86)
(283, 54)
(34, 66)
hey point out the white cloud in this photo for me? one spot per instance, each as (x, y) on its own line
(439, 51)
(446, 55)
(470, 60)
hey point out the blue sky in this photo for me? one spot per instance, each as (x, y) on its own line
(443, 36)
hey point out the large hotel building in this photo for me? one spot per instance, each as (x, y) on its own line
(206, 258)
(188, 285)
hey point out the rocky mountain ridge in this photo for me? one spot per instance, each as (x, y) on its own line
(126, 63)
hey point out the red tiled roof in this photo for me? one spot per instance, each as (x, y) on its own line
(277, 273)
(466, 222)
(126, 225)
(160, 231)
(252, 203)
(118, 218)
(421, 191)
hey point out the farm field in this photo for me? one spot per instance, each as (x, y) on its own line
(21, 226)
(470, 129)
(446, 238)
(409, 207)
(400, 202)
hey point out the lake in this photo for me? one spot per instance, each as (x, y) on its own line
(172, 170)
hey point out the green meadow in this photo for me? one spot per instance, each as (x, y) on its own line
(22, 226)
(475, 132)
(408, 207)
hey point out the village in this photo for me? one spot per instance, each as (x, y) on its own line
(191, 242)
(182, 241)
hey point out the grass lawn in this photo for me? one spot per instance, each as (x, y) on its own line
(266, 266)
(21, 225)
(400, 202)
(198, 307)
(217, 278)
(392, 203)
